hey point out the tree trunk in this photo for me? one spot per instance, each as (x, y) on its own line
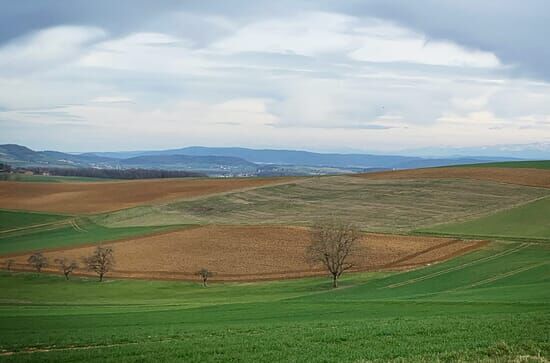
(334, 281)
(100, 277)
(204, 282)
(66, 276)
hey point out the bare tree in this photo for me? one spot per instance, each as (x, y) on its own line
(333, 242)
(101, 261)
(204, 274)
(38, 261)
(9, 263)
(67, 266)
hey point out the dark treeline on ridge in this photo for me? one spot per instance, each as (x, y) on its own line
(112, 173)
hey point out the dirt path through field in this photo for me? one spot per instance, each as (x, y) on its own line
(244, 253)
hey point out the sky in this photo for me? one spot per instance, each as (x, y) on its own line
(377, 76)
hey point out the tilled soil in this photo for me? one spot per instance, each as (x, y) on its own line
(110, 196)
(520, 176)
(245, 253)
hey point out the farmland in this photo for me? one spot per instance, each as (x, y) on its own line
(254, 253)
(67, 232)
(491, 304)
(451, 268)
(537, 164)
(524, 176)
(10, 221)
(374, 205)
(529, 221)
(108, 196)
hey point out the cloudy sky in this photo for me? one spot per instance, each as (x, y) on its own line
(80, 75)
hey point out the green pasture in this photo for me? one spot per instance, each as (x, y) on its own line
(489, 305)
(11, 220)
(530, 221)
(71, 232)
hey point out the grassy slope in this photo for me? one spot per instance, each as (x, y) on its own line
(491, 304)
(376, 205)
(538, 164)
(531, 220)
(67, 235)
(10, 220)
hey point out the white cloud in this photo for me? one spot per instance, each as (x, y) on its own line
(369, 40)
(305, 34)
(311, 80)
(47, 47)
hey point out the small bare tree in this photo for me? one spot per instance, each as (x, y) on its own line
(38, 261)
(9, 264)
(66, 266)
(333, 242)
(204, 274)
(101, 261)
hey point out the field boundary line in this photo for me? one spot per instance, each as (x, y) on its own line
(75, 225)
(419, 253)
(82, 347)
(456, 268)
(92, 244)
(500, 276)
(462, 251)
(62, 222)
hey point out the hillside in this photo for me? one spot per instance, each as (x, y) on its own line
(227, 161)
(532, 164)
(21, 156)
(461, 296)
(307, 158)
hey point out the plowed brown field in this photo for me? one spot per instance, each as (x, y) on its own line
(520, 176)
(255, 253)
(110, 196)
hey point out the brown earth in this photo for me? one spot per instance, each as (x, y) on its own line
(242, 253)
(520, 176)
(110, 196)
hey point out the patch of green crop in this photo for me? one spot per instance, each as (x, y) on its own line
(10, 220)
(73, 232)
(531, 220)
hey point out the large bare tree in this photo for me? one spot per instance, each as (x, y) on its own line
(205, 274)
(67, 266)
(332, 244)
(101, 261)
(38, 261)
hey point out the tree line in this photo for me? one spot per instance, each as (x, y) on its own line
(108, 173)
(100, 262)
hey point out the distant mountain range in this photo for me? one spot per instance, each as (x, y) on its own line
(538, 151)
(228, 161)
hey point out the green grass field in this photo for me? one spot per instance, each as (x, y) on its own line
(531, 220)
(72, 232)
(493, 305)
(536, 164)
(11, 220)
(375, 205)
